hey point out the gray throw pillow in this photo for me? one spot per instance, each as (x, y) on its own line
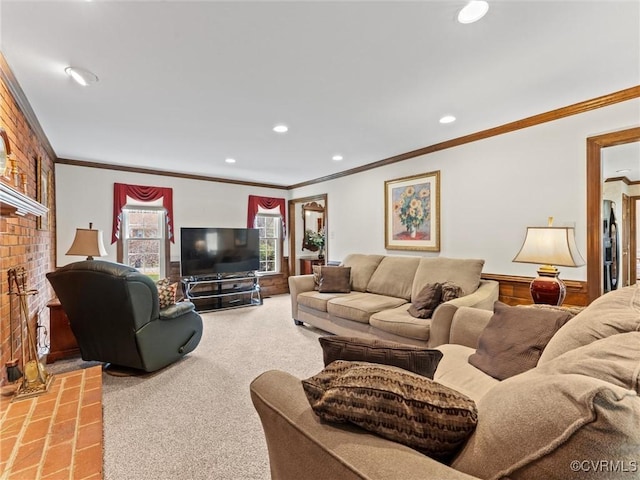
(514, 339)
(335, 280)
(422, 361)
(426, 301)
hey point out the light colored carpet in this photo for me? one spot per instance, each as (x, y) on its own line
(194, 419)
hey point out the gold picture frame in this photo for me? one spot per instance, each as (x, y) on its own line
(412, 212)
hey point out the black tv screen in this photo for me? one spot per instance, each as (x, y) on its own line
(211, 251)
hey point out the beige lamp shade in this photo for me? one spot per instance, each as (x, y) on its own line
(88, 242)
(550, 246)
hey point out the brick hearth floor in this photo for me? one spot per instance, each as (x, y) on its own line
(57, 435)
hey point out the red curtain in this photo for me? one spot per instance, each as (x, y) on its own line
(143, 194)
(256, 201)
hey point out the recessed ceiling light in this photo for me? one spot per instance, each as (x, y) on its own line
(623, 170)
(281, 129)
(230, 160)
(337, 158)
(81, 76)
(473, 11)
(448, 119)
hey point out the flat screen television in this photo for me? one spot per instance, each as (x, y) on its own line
(212, 251)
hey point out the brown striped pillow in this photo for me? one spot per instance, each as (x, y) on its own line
(423, 361)
(396, 404)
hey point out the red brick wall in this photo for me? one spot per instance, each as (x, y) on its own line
(22, 243)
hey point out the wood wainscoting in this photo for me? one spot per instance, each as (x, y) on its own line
(514, 290)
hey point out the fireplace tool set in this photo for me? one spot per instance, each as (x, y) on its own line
(35, 379)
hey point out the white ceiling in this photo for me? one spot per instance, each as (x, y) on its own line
(185, 84)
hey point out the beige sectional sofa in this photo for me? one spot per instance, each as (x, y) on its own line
(382, 289)
(576, 415)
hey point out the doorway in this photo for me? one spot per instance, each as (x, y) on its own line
(595, 216)
(307, 213)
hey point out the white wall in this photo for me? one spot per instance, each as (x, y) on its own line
(491, 190)
(85, 195)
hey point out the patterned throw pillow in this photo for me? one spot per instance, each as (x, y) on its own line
(316, 276)
(394, 403)
(422, 361)
(166, 292)
(450, 291)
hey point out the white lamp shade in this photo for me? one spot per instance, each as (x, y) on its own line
(88, 242)
(550, 246)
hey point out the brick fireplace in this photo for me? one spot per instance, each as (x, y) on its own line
(25, 241)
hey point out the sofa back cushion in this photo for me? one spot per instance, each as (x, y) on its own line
(463, 272)
(394, 277)
(551, 421)
(362, 267)
(612, 313)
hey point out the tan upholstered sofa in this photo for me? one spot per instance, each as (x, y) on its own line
(382, 289)
(576, 415)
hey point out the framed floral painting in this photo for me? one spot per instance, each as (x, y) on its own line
(412, 213)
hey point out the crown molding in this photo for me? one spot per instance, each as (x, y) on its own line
(575, 109)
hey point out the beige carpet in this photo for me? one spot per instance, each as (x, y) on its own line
(194, 420)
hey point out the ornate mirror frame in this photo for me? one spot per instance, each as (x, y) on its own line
(312, 219)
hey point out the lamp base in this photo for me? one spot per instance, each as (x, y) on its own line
(548, 289)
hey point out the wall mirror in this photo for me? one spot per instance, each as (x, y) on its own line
(612, 211)
(313, 222)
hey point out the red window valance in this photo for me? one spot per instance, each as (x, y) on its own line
(144, 194)
(269, 203)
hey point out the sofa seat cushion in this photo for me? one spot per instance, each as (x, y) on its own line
(582, 406)
(394, 277)
(615, 312)
(360, 306)
(318, 300)
(400, 322)
(455, 371)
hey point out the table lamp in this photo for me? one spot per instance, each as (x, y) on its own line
(549, 246)
(87, 242)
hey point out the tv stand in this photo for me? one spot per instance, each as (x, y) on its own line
(222, 291)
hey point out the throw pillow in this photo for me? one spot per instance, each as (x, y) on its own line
(166, 292)
(393, 403)
(422, 361)
(514, 339)
(426, 301)
(335, 280)
(581, 407)
(450, 291)
(316, 276)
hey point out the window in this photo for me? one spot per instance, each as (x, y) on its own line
(144, 240)
(270, 226)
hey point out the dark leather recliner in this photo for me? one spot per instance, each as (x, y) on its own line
(115, 316)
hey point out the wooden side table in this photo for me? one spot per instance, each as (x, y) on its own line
(306, 265)
(63, 342)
